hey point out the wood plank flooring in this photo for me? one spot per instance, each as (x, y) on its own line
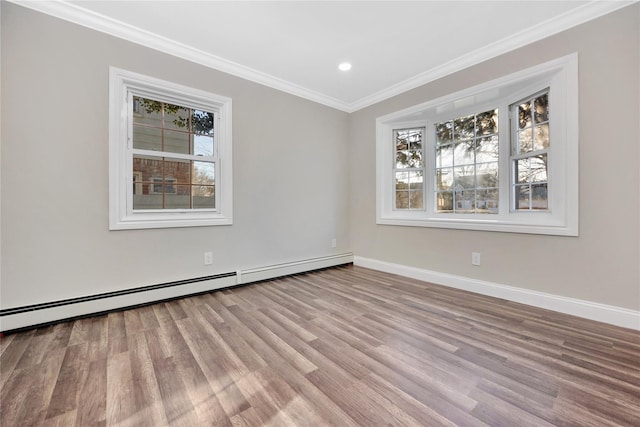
(344, 347)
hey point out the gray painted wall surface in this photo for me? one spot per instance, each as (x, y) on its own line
(290, 170)
(303, 174)
(601, 265)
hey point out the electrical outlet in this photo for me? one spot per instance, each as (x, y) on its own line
(208, 258)
(334, 242)
(475, 258)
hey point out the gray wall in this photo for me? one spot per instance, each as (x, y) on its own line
(290, 170)
(303, 174)
(602, 264)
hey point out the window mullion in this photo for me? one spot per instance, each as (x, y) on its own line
(505, 163)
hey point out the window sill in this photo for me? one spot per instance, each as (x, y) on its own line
(169, 220)
(544, 225)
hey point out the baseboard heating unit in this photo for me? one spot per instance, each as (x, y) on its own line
(17, 318)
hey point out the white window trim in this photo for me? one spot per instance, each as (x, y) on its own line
(561, 75)
(121, 214)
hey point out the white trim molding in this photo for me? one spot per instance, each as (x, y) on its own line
(26, 317)
(613, 315)
(278, 270)
(73, 13)
(14, 318)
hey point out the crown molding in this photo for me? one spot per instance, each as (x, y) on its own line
(78, 15)
(562, 22)
(96, 21)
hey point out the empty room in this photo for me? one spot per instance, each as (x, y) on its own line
(319, 213)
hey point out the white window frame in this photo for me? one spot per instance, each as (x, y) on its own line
(561, 218)
(123, 85)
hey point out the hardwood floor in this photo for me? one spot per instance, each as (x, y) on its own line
(345, 346)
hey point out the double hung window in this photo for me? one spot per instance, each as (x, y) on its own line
(170, 158)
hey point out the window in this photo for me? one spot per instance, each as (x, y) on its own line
(501, 156)
(409, 168)
(529, 152)
(170, 154)
(466, 170)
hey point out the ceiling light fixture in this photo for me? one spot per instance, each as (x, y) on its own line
(344, 66)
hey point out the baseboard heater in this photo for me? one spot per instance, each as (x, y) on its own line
(29, 316)
(289, 268)
(38, 314)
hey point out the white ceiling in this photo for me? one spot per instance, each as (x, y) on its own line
(296, 45)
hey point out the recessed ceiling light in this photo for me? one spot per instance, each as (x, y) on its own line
(344, 66)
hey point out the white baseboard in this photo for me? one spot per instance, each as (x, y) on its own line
(279, 270)
(24, 317)
(590, 310)
(101, 303)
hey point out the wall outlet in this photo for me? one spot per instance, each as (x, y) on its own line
(334, 242)
(475, 258)
(208, 258)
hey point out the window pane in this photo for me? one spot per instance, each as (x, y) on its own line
(202, 145)
(522, 197)
(402, 200)
(444, 202)
(147, 111)
(407, 137)
(464, 177)
(147, 138)
(401, 141)
(147, 201)
(522, 171)
(409, 190)
(179, 199)
(415, 159)
(539, 198)
(204, 173)
(444, 133)
(542, 108)
(487, 149)
(415, 140)
(176, 142)
(203, 196)
(408, 143)
(538, 168)
(202, 122)
(487, 123)
(464, 128)
(532, 169)
(465, 201)
(415, 180)
(487, 201)
(444, 156)
(402, 159)
(487, 175)
(525, 143)
(147, 167)
(177, 171)
(444, 179)
(524, 115)
(541, 137)
(464, 153)
(415, 199)
(402, 178)
(176, 117)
